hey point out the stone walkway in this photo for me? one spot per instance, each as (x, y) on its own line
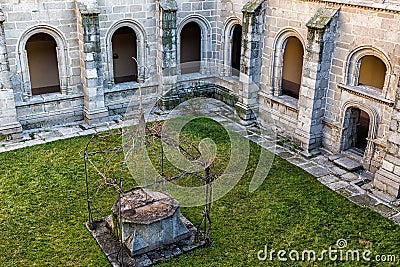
(356, 186)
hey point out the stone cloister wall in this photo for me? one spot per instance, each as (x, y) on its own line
(335, 36)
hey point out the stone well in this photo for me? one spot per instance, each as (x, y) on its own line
(149, 220)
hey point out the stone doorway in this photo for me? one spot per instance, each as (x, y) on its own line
(124, 48)
(356, 130)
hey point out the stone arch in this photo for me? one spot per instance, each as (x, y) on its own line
(61, 49)
(353, 64)
(141, 45)
(278, 55)
(205, 29)
(229, 27)
(373, 124)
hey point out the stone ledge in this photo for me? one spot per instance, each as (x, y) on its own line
(287, 101)
(251, 6)
(365, 92)
(169, 5)
(47, 98)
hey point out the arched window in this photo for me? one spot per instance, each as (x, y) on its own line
(369, 66)
(236, 49)
(372, 72)
(41, 49)
(292, 67)
(124, 48)
(190, 48)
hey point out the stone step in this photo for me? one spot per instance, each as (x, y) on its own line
(347, 163)
(354, 153)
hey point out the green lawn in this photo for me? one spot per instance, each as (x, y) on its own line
(43, 210)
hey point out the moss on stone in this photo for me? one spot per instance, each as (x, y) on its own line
(321, 18)
(252, 6)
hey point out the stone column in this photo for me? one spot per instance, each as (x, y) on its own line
(91, 70)
(10, 127)
(316, 68)
(170, 60)
(387, 178)
(169, 36)
(251, 58)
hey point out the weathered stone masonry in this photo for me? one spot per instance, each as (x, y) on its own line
(337, 40)
(8, 114)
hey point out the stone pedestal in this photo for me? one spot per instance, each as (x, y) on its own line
(149, 220)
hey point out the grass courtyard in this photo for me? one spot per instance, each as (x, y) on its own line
(43, 210)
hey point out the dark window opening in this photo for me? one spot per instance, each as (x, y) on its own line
(124, 48)
(236, 49)
(356, 129)
(190, 48)
(44, 76)
(362, 130)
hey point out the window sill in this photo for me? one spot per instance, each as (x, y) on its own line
(46, 98)
(285, 100)
(120, 87)
(367, 92)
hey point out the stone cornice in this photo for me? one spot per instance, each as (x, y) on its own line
(332, 124)
(88, 7)
(251, 6)
(169, 5)
(359, 91)
(322, 18)
(356, 3)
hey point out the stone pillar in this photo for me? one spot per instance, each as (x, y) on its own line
(169, 36)
(10, 127)
(251, 58)
(316, 68)
(170, 63)
(91, 71)
(387, 178)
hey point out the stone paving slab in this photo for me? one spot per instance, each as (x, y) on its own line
(337, 170)
(298, 161)
(349, 177)
(364, 200)
(318, 171)
(396, 218)
(384, 210)
(350, 191)
(308, 165)
(328, 179)
(348, 164)
(337, 185)
(285, 154)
